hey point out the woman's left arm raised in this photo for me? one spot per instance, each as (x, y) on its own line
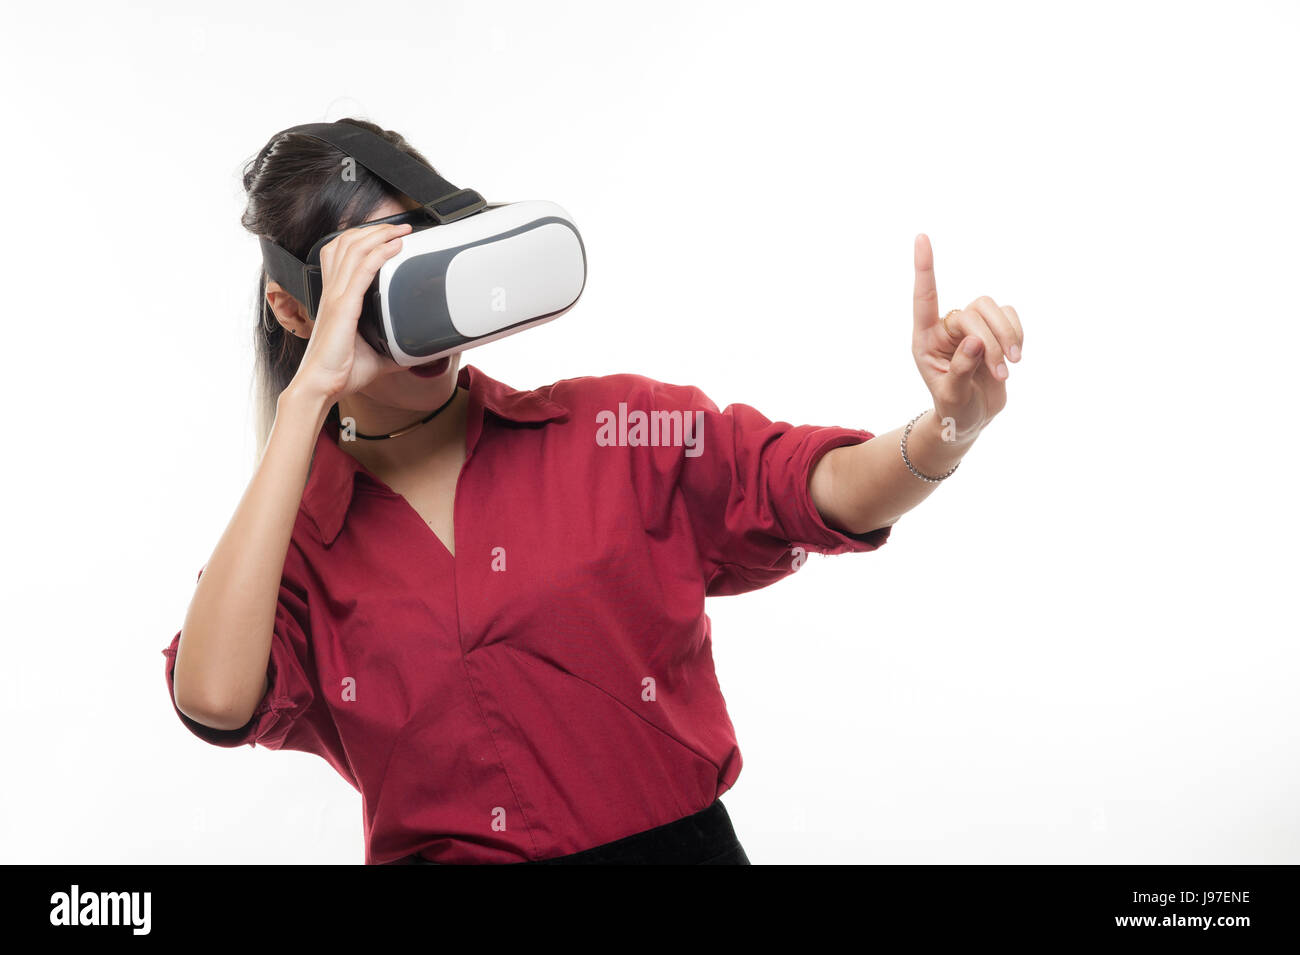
(861, 487)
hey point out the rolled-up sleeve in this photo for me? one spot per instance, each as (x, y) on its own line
(290, 691)
(746, 488)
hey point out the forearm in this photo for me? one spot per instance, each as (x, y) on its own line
(225, 645)
(861, 487)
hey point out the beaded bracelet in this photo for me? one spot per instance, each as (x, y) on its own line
(902, 446)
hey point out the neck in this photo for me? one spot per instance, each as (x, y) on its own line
(444, 434)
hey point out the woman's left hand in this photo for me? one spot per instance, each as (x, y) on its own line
(966, 371)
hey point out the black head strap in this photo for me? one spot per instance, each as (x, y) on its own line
(442, 201)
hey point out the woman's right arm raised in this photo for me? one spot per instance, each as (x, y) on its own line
(224, 651)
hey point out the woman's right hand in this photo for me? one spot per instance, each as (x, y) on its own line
(338, 361)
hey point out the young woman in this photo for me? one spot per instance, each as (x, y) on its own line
(485, 606)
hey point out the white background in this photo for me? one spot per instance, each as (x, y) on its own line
(1081, 648)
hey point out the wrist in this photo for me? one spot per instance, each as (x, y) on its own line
(304, 402)
(935, 445)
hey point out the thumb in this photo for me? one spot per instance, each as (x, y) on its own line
(965, 360)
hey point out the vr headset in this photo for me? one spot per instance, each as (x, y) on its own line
(468, 273)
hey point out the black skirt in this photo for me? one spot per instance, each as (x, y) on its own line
(704, 838)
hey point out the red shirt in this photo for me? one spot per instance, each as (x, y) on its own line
(551, 687)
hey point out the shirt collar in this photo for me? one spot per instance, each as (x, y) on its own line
(334, 473)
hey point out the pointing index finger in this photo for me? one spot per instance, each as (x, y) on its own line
(925, 297)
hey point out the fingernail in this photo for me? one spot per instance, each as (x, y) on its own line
(1002, 369)
(972, 347)
(1014, 352)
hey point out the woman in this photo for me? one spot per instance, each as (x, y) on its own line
(485, 606)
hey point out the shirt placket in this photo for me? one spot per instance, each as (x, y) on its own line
(467, 578)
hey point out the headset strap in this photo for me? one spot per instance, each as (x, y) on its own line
(291, 273)
(443, 201)
(440, 199)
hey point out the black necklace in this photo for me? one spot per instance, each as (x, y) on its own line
(425, 420)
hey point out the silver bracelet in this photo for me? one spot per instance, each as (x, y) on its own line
(902, 446)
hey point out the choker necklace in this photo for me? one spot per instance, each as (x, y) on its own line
(425, 420)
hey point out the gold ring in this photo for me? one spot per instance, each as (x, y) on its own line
(945, 321)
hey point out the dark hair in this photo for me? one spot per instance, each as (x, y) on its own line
(297, 193)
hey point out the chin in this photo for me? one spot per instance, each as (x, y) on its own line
(402, 389)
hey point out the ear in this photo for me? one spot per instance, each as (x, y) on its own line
(289, 312)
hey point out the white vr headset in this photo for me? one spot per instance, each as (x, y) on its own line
(468, 272)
